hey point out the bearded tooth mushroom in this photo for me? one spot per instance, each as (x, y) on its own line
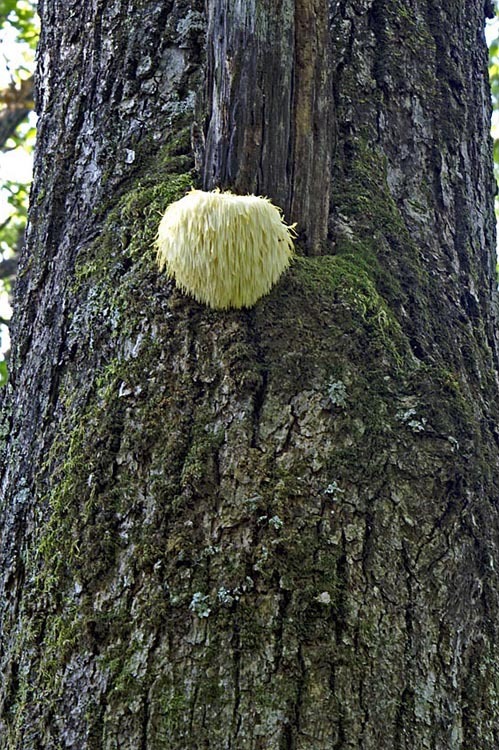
(225, 250)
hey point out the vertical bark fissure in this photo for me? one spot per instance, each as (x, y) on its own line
(300, 690)
(237, 656)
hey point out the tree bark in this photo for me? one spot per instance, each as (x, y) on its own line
(270, 105)
(270, 528)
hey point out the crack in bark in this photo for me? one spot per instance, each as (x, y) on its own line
(236, 650)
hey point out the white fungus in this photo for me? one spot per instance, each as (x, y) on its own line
(225, 250)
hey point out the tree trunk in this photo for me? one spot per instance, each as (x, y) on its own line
(273, 528)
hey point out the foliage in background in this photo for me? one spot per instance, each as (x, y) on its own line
(19, 30)
(21, 17)
(493, 27)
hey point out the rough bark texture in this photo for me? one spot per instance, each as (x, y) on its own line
(274, 528)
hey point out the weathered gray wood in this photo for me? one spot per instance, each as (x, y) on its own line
(272, 528)
(270, 106)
